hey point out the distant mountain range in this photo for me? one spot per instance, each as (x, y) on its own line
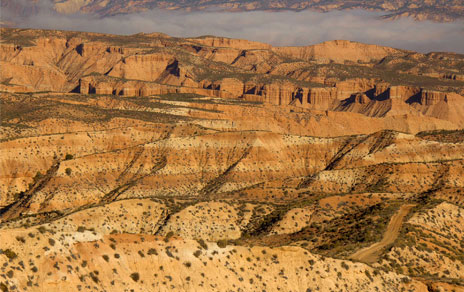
(436, 10)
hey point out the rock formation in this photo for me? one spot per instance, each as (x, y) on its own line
(227, 68)
(147, 162)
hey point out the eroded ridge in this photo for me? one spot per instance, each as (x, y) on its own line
(153, 163)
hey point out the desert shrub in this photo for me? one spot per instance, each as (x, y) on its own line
(38, 176)
(406, 280)
(168, 236)
(152, 251)
(222, 243)
(3, 287)
(94, 277)
(368, 274)
(20, 239)
(135, 276)
(202, 243)
(10, 254)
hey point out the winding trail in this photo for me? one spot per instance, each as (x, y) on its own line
(371, 253)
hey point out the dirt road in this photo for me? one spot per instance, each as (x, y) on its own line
(371, 253)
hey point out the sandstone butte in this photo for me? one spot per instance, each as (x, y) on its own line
(154, 163)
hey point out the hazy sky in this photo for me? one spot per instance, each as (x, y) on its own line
(277, 28)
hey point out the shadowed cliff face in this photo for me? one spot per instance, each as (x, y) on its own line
(149, 162)
(337, 76)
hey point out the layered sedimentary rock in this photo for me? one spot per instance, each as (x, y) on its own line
(222, 67)
(147, 162)
(323, 77)
(338, 51)
(179, 180)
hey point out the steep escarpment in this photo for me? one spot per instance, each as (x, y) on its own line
(337, 76)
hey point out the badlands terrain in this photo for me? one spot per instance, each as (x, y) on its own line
(154, 163)
(435, 10)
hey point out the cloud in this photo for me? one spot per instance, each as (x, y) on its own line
(286, 28)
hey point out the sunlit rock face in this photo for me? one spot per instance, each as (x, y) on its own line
(153, 163)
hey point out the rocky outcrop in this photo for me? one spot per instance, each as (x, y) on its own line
(304, 77)
(338, 51)
(351, 86)
(403, 93)
(32, 77)
(321, 98)
(218, 54)
(219, 42)
(230, 85)
(429, 98)
(143, 67)
(441, 105)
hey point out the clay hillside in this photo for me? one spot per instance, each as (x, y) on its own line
(435, 10)
(153, 163)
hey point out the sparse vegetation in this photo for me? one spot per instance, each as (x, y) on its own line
(135, 277)
(266, 195)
